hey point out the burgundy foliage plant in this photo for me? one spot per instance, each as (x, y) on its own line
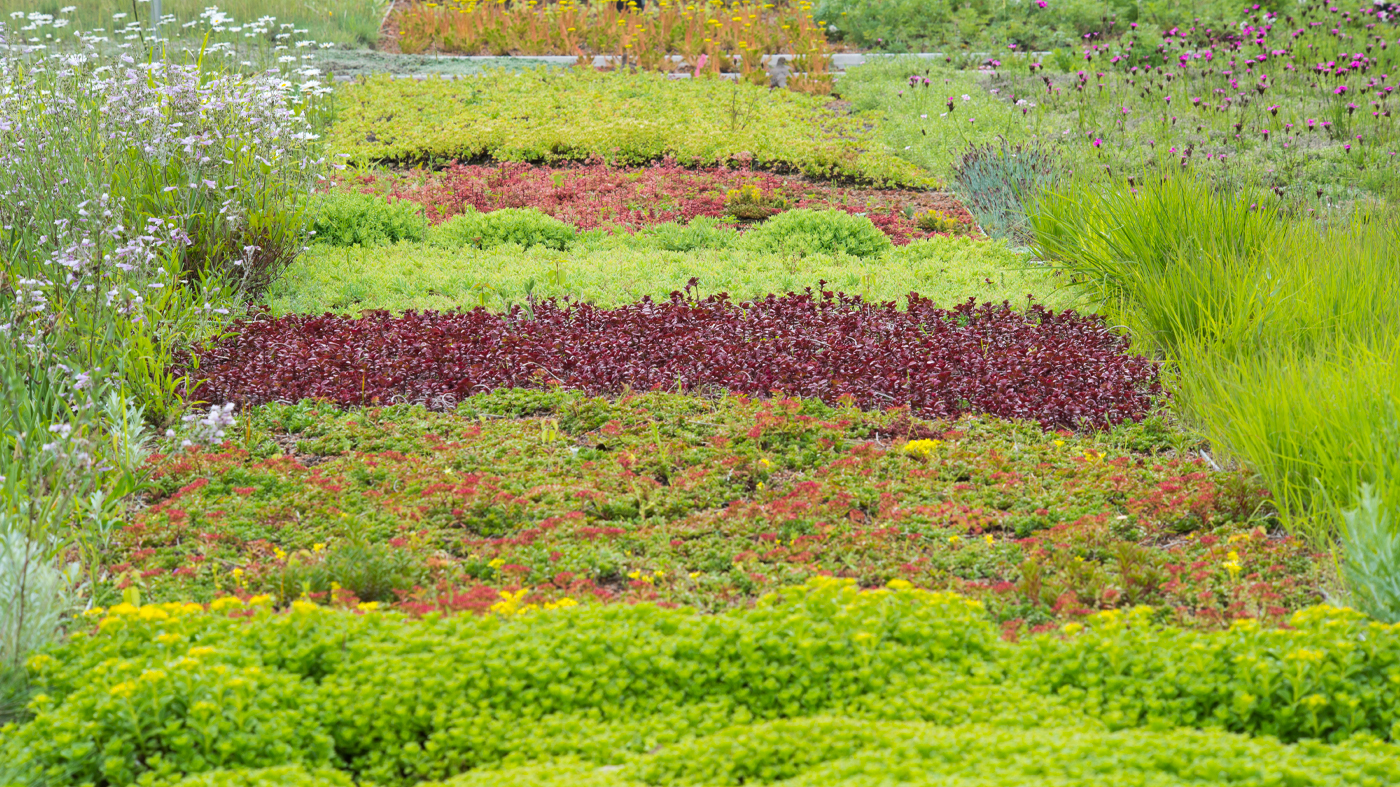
(1060, 368)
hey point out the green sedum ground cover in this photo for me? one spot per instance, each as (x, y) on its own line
(548, 495)
(623, 118)
(822, 684)
(614, 269)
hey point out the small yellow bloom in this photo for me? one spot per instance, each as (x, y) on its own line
(367, 606)
(124, 609)
(694, 574)
(94, 612)
(991, 541)
(1232, 563)
(317, 547)
(496, 563)
(1059, 443)
(221, 604)
(168, 638)
(954, 539)
(303, 606)
(200, 651)
(123, 689)
(1072, 628)
(257, 601)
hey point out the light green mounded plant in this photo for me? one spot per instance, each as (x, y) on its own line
(523, 227)
(346, 218)
(701, 232)
(187, 714)
(802, 232)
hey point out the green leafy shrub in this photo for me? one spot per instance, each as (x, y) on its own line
(801, 232)
(524, 227)
(349, 219)
(824, 684)
(178, 710)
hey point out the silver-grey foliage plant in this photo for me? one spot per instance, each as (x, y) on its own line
(1371, 547)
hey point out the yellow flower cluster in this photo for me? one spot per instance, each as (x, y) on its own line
(642, 576)
(512, 603)
(849, 594)
(146, 612)
(1232, 564)
(921, 449)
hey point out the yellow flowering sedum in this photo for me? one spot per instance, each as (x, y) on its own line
(921, 449)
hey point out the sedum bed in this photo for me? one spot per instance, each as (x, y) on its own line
(622, 118)
(822, 684)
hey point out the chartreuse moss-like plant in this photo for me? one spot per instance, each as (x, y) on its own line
(618, 269)
(624, 118)
(820, 684)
